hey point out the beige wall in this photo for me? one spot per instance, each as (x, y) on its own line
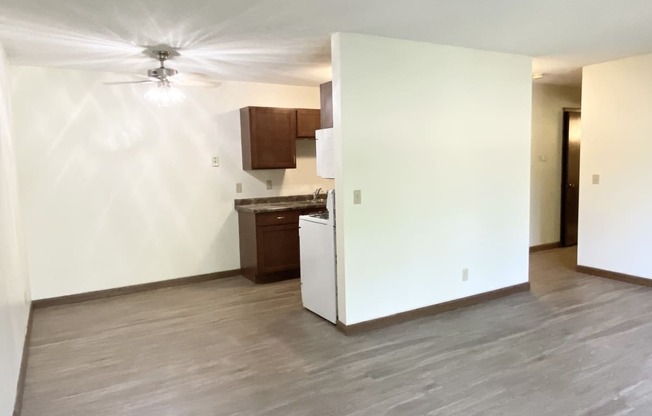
(615, 224)
(548, 102)
(14, 285)
(437, 138)
(116, 192)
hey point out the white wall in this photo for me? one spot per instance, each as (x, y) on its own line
(14, 285)
(438, 140)
(615, 224)
(116, 192)
(548, 102)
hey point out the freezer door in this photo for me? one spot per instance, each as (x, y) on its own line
(325, 153)
(318, 286)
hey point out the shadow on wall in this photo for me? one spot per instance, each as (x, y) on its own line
(230, 148)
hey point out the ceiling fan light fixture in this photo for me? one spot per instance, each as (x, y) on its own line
(164, 95)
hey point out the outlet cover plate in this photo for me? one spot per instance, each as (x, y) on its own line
(357, 197)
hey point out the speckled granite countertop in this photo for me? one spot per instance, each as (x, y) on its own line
(280, 203)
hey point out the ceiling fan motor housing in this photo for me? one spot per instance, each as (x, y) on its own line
(161, 73)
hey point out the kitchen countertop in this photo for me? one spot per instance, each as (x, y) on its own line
(280, 203)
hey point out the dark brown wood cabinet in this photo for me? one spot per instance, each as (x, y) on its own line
(269, 135)
(308, 120)
(278, 247)
(269, 244)
(326, 104)
(268, 138)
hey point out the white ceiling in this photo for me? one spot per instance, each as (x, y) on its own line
(287, 41)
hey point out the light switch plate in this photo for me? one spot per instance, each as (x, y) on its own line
(465, 275)
(215, 161)
(357, 197)
(268, 184)
(596, 179)
(238, 188)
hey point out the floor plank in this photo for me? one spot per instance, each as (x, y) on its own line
(574, 345)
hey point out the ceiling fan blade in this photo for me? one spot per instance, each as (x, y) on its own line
(130, 82)
(194, 80)
(196, 84)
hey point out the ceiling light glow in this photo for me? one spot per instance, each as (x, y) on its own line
(165, 95)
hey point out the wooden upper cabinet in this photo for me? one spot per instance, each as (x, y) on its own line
(307, 122)
(268, 138)
(326, 103)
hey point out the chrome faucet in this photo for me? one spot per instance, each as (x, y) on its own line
(315, 194)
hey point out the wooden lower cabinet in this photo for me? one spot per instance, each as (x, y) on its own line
(278, 248)
(269, 245)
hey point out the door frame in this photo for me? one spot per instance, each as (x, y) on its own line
(564, 171)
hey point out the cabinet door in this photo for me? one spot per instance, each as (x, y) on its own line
(326, 101)
(278, 248)
(270, 138)
(307, 122)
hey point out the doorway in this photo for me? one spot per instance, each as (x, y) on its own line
(570, 176)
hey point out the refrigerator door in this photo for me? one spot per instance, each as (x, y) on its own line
(325, 153)
(318, 292)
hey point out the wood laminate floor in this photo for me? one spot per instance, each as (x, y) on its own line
(574, 345)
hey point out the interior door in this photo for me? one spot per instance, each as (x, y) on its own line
(570, 177)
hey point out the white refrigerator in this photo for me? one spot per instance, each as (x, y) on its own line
(325, 153)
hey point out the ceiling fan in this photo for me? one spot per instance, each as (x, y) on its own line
(166, 79)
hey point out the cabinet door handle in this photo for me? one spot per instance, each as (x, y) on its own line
(280, 218)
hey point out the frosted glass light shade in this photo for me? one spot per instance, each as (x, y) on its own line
(165, 95)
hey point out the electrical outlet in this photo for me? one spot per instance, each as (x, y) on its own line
(357, 197)
(238, 188)
(269, 184)
(215, 161)
(465, 275)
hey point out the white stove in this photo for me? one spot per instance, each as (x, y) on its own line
(317, 247)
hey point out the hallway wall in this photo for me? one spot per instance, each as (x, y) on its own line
(615, 224)
(548, 102)
(14, 286)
